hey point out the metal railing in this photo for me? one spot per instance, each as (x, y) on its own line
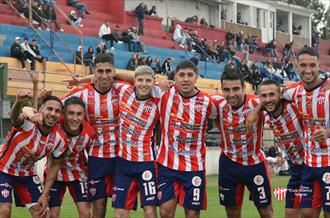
(50, 42)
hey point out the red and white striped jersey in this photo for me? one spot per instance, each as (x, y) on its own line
(102, 110)
(74, 164)
(314, 108)
(237, 143)
(137, 122)
(183, 124)
(26, 145)
(288, 131)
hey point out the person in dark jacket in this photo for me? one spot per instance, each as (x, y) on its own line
(16, 52)
(140, 11)
(133, 62)
(79, 53)
(101, 48)
(167, 68)
(36, 49)
(89, 59)
(148, 61)
(152, 11)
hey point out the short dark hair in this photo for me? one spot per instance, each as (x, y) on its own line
(232, 74)
(186, 64)
(26, 38)
(270, 82)
(103, 58)
(34, 40)
(73, 100)
(308, 50)
(51, 98)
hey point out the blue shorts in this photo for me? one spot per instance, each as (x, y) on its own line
(233, 177)
(101, 173)
(189, 187)
(27, 189)
(293, 195)
(132, 177)
(77, 189)
(315, 187)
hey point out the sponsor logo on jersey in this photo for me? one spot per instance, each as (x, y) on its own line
(5, 193)
(258, 180)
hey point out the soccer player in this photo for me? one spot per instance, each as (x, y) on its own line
(102, 112)
(184, 112)
(26, 144)
(138, 118)
(241, 152)
(73, 170)
(313, 101)
(284, 120)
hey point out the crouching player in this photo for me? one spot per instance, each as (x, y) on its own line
(73, 171)
(137, 119)
(26, 144)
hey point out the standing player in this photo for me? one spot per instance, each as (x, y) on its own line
(313, 101)
(138, 117)
(102, 112)
(26, 144)
(73, 171)
(184, 112)
(241, 149)
(284, 119)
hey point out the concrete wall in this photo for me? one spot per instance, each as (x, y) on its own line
(282, 38)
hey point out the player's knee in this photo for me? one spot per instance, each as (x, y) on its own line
(5, 210)
(310, 212)
(166, 212)
(150, 212)
(266, 212)
(233, 212)
(192, 213)
(84, 214)
(121, 213)
(54, 214)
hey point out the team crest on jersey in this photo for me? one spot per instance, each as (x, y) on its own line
(320, 99)
(147, 109)
(196, 181)
(258, 180)
(326, 178)
(5, 193)
(52, 136)
(36, 180)
(147, 175)
(90, 93)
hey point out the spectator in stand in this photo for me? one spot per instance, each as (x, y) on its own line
(315, 39)
(140, 11)
(148, 61)
(203, 22)
(195, 59)
(17, 52)
(239, 41)
(157, 66)
(254, 78)
(270, 48)
(251, 41)
(50, 15)
(167, 68)
(138, 46)
(105, 34)
(229, 38)
(288, 51)
(36, 49)
(101, 48)
(193, 19)
(22, 7)
(75, 20)
(117, 35)
(29, 53)
(296, 30)
(79, 55)
(211, 49)
(179, 36)
(244, 69)
(133, 62)
(140, 60)
(79, 6)
(152, 11)
(89, 59)
(240, 20)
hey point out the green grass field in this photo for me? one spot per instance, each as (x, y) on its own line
(215, 210)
